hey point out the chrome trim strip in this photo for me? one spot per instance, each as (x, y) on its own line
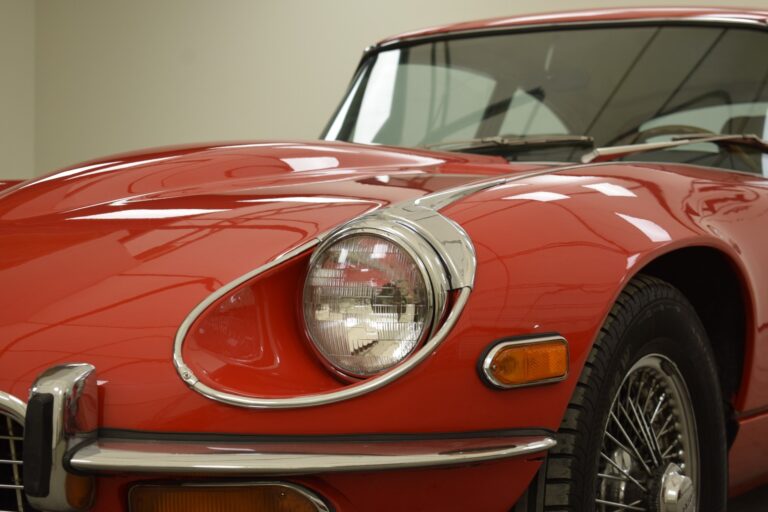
(271, 459)
(313, 498)
(75, 414)
(704, 20)
(488, 359)
(14, 406)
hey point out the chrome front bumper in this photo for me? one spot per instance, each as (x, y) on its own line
(65, 399)
(246, 458)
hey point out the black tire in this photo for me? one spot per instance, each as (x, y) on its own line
(649, 317)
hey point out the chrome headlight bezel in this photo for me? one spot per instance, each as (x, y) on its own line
(421, 216)
(426, 260)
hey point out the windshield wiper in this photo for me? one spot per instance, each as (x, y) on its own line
(513, 142)
(608, 153)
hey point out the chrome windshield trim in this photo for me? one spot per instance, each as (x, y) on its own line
(295, 458)
(313, 498)
(700, 20)
(13, 406)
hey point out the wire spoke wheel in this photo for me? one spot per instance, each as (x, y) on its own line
(649, 459)
(648, 400)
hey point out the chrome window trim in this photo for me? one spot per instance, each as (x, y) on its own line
(13, 406)
(295, 458)
(319, 504)
(488, 359)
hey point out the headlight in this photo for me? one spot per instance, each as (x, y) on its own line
(368, 302)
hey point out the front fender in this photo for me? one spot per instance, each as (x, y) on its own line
(555, 251)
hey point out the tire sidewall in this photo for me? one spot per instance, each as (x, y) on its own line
(669, 327)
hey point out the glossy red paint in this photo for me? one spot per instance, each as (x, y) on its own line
(117, 284)
(589, 16)
(142, 246)
(8, 184)
(130, 281)
(120, 250)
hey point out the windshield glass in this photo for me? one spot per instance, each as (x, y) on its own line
(616, 85)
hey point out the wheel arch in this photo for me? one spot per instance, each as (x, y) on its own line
(715, 285)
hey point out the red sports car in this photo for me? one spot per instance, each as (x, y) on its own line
(526, 269)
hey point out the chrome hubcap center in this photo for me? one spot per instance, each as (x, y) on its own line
(677, 491)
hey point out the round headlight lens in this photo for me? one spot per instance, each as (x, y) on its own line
(366, 304)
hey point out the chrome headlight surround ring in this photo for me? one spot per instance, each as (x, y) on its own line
(447, 255)
(421, 253)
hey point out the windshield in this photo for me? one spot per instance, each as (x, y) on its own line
(617, 86)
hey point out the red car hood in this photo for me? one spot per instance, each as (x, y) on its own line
(131, 243)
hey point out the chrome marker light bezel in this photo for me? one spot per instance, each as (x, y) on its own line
(422, 254)
(490, 353)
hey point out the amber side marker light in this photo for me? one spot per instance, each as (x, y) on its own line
(525, 362)
(229, 497)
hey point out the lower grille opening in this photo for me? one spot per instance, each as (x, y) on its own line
(12, 497)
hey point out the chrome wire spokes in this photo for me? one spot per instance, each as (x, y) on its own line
(650, 429)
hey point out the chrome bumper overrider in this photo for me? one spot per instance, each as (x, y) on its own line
(64, 401)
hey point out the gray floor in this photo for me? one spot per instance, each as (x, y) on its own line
(755, 501)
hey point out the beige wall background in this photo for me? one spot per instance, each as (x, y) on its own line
(17, 88)
(85, 78)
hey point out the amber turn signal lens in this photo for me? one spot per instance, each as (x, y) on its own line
(80, 491)
(517, 363)
(222, 498)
